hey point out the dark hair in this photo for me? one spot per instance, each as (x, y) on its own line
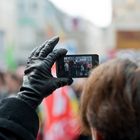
(2, 79)
(110, 102)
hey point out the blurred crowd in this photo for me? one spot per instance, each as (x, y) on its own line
(59, 112)
(55, 115)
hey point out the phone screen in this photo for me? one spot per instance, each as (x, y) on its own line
(76, 65)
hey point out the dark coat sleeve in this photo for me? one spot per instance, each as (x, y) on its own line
(18, 121)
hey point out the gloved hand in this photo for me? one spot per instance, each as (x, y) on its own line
(38, 81)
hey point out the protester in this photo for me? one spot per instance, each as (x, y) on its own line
(13, 83)
(18, 119)
(110, 103)
(3, 88)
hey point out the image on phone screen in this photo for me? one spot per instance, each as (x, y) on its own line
(76, 65)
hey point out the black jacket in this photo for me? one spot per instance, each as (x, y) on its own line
(18, 121)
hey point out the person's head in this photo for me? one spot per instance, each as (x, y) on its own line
(13, 82)
(2, 80)
(110, 102)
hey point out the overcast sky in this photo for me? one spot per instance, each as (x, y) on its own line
(97, 11)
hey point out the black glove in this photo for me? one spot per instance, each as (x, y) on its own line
(38, 81)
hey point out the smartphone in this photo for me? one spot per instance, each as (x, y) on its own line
(76, 66)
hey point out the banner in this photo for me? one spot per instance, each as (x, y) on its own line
(61, 115)
(10, 58)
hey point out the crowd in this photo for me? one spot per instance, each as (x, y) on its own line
(109, 103)
(10, 84)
